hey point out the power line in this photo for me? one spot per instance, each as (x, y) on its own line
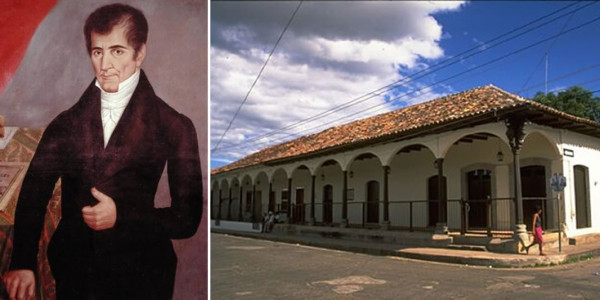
(547, 50)
(431, 85)
(561, 77)
(258, 76)
(436, 67)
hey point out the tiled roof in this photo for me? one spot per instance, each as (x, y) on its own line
(437, 112)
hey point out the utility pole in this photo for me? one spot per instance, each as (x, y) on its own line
(546, 80)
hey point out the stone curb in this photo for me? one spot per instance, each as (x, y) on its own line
(444, 255)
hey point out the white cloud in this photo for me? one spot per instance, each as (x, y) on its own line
(333, 52)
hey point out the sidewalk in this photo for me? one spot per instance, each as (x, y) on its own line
(438, 254)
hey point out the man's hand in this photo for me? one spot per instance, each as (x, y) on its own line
(103, 215)
(20, 284)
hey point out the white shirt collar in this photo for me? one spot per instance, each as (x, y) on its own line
(123, 95)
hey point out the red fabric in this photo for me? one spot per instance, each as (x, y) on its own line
(18, 21)
(538, 235)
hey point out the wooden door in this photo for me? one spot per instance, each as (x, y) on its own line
(479, 184)
(299, 207)
(533, 185)
(373, 202)
(328, 204)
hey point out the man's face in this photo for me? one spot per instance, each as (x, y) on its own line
(114, 60)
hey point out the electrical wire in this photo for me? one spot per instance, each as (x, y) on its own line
(245, 144)
(258, 76)
(436, 67)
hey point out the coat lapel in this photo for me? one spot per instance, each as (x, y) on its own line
(127, 134)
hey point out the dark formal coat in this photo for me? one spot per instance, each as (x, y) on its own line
(135, 258)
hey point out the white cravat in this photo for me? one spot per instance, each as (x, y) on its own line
(113, 104)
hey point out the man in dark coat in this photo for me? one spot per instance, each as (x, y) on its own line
(109, 151)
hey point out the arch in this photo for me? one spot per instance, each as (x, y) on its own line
(550, 139)
(300, 195)
(301, 167)
(246, 185)
(329, 174)
(407, 149)
(362, 156)
(538, 144)
(223, 200)
(261, 195)
(329, 162)
(224, 184)
(495, 143)
(279, 172)
(236, 200)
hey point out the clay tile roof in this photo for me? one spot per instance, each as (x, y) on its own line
(435, 113)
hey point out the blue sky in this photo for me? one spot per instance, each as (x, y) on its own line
(334, 54)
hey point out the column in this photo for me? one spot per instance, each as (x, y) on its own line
(312, 202)
(219, 211)
(255, 218)
(269, 205)
(229, 206)
(345, 201)
(442, 225)
(516, 135)
(289, 212)
(386, 203)
(240, 215)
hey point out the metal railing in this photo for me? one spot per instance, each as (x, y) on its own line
(485, 216)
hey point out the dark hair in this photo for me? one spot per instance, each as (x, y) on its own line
(538, 207)
(105, 18)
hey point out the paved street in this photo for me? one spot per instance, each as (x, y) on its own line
(244, 268)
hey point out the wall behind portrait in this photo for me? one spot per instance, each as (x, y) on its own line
(56, 69)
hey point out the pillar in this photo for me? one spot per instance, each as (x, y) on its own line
(289, 212)
(516, 136)
(442, 225)
(229, 206)
(386, 203)
(312, 201)
(240, 215)
(345, 201)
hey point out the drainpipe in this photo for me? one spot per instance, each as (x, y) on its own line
(516, 135)
(312, 202)
(386, 203)
(442, 225)
(345, 202)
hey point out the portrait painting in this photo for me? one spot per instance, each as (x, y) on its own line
(45, 68)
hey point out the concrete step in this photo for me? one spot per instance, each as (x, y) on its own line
(584, 239)
(467, 247)
(471, 240)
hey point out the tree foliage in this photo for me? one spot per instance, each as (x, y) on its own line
(576, 101)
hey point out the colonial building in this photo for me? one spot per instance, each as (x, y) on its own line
(475, 161)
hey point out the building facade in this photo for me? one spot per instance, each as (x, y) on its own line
(476, 161)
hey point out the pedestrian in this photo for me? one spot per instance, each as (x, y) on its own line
(277, 217)
(269, 222)
(537, 231)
